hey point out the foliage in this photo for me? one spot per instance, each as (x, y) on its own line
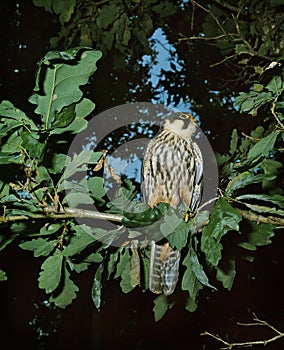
(119, 25)
(36, 172)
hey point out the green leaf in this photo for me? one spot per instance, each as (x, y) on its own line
(123, 261)
(244, 179)
(112, 261)
(123, 271)
(67, 294)
(76, 198)
(146, 268)
(97, 189)
(64, 8)
(3, 276)
(97, 287)
(62, 80)
(50, 276)
(82, 110)
(107, 15)
(57, 163)
(190, 282)
(161, 306)
(227, 277)
(197, 269)
(78, 268)
(39, 246)
(264, 209)
(276, 199)
(47, 4)
(258, 87)
(33, 145)
(49, 229)
(94, 258)
(6, 239)
(14, 118)
(223, 218)
(80, 162)
(275, 85)
(64, 117)
(164, 9)
(191, 303)
(176, 230)
(259, 235)
(251, 101)
(258, 132)
(264, 146)
(234, 141)
(270, 167)
(82, 239)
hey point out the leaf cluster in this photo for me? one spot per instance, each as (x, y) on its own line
(117, 25)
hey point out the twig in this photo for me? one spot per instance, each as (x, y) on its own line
(227, 6)
(211, 38)
(247, 344)
(275, 116)
(66, 213)
(260, 218)
(250, 137)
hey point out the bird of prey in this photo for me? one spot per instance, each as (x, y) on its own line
(172, 173)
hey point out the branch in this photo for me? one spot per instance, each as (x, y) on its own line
(260, 218)
(66, 213)
(227, 6)
(275, 116)
(257, 322)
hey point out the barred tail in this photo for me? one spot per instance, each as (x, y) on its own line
(164, 269)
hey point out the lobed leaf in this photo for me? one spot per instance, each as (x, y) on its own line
(161, 306)
(62, 81)
(3, 276)
(68, 292)
(223, 218)
(50, 276)
(190, 284)
(40, 246)
(227, 277)
(259, 235)
(82, 239)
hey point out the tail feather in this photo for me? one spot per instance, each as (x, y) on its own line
(164, 269)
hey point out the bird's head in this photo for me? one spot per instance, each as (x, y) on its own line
(182, 124)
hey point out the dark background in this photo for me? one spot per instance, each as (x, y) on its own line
(124, 321)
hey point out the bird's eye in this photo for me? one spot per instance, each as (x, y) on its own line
(183, 116)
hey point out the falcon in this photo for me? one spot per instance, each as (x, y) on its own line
(172, 173)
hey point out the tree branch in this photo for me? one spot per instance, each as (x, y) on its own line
(66, 213)
(227, 6)
(247, 344)
(260, 218)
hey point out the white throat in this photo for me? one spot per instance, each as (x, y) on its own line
(177, 126)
